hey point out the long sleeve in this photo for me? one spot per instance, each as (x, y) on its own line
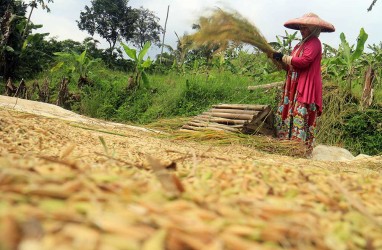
(310, 53)
(307, 63)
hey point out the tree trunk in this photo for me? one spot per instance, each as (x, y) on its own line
(164, 33)
(44, 93)
(33, 5)
(5, 27)
(63, 93)
(10, 89)
(367, 96)
(21, 90)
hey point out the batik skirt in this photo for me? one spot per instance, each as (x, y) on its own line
(299, 125)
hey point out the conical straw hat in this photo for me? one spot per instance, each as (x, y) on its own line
(310, 19)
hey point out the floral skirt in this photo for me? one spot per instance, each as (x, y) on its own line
(300, 125)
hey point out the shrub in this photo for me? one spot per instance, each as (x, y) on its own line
(363, 131)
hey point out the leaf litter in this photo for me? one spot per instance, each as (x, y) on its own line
(65, 187)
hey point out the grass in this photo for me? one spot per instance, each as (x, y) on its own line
(177, 95)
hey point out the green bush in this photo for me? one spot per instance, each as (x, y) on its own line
(363, 131)
(135, 105)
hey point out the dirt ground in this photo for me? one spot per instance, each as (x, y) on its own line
(72, 182)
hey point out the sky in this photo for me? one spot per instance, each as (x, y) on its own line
(348, 17)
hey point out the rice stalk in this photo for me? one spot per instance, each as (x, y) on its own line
(223, 27)
(262, 143)
(99, 130)
(168, 125)
(336, 105)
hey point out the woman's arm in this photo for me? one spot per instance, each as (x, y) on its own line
(310, 52)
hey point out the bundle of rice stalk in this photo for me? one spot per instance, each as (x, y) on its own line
(222, 27)
(212, 136)
(261, 143)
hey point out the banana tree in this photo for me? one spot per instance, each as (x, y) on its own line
(350, 57)
(140, 65)
(284, 43)
(347, 58)
(331, 59)
(374, 60)
(75, 63)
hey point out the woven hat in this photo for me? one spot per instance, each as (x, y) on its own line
(310, 19)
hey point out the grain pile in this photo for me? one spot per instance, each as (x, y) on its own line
(64, 186)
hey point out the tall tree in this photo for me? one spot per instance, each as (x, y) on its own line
(18, 55)
(109, 19)
(12, 22)
(33, 4)
(146, 29)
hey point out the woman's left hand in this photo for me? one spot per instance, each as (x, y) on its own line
(278, 56)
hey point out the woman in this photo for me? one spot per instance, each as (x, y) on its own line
(302, 96)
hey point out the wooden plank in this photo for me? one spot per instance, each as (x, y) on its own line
(266, 86)
(230, 116)
(241, 106)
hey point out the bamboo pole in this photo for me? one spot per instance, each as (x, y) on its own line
(227, 115)
(266, 86)
(235, 111)
(203, 123)
(187, 130)
(220, 120)
(240, 106)
(209, 128)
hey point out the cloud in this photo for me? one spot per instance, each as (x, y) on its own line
(348, 16)
(60, 22)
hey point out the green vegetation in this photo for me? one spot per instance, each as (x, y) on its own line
(140, 65)
(168, 95)
(192, 91)
(363, 131)
(104, 84)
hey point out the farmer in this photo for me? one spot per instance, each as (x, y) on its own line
(301, 102)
